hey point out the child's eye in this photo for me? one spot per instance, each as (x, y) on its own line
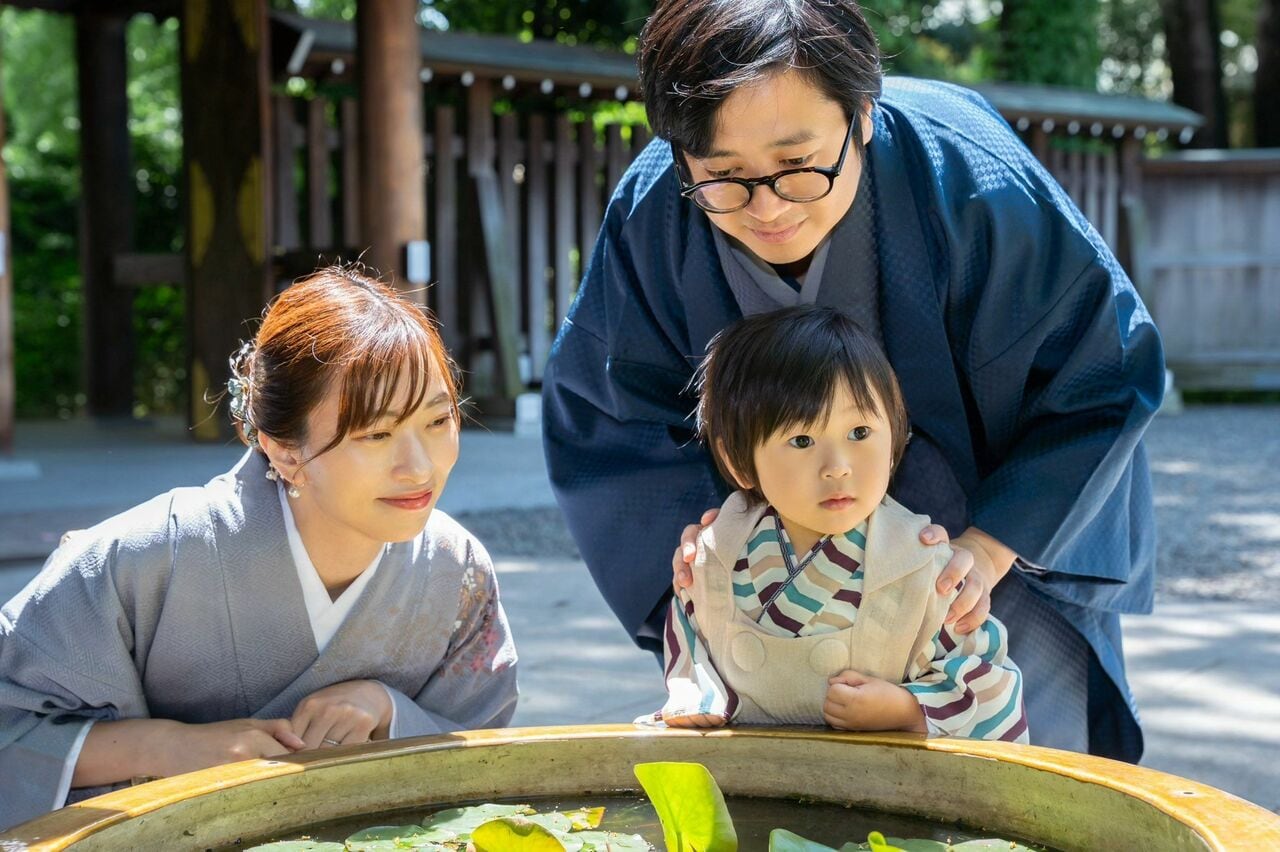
(376, 436)
(442, 420)
(801, 442)
(795, 162)
(860, 433)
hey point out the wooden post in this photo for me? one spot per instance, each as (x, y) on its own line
(285, 133)
(107, 210)
(350, 174)
(445, 273)
(319, 209)
(536, 233)
(588, 192)
(393, 208)
(615, 157)
(8, 385)
(226, 128)
(566, 275)
(640, 137)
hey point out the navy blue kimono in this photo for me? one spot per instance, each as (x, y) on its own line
(1025, 355)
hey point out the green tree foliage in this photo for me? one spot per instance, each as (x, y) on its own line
(1048, 41)
(42, 152)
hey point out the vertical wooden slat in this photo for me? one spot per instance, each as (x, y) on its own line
(319, 212)
(1110, 198)
(480, 125)
(536, 240)
(588, 192)
(640, 137)
(1075, 170)
(393, 208)
(351, 175)
(1039, 144)
(564, 220)
(284, 140)
(615, 157)
(445, 249)
(1093, 188)
(107, 210)
(8, 393)
(508, 160)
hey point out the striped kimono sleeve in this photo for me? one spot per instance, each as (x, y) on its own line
(970, 687)
(693, 684)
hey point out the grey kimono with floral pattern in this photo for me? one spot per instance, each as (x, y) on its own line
(188, 607)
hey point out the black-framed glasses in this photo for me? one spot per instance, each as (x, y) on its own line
(726, 195)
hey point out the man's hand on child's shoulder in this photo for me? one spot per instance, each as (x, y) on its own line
(688, 549)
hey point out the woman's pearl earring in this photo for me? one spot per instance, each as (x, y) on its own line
(273, 474)
(294, 492)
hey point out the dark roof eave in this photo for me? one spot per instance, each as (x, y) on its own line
(1061, 104)
(485, 55)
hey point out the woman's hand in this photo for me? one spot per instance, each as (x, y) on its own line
(856, 702)
(129, 748)
(683, 557)
(192, 747)
(352, 712)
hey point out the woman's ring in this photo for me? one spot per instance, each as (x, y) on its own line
(330, 742)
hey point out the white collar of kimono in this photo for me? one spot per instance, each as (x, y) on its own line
(326, 614)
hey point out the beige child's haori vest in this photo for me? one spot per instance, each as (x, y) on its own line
(783, 680)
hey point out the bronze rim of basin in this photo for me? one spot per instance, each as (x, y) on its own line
(1061, 799)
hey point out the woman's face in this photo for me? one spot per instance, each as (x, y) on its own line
(381, 482)
(782, 122)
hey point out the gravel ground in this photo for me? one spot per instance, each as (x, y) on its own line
(1217, 492)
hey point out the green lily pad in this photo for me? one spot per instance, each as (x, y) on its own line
(781, 840)
(514, 834)
(585, 818)
(395, 838)
(876, 842)
(298, 846)
(553, 821)
(608, 841)
(463, 821)
(690, 806)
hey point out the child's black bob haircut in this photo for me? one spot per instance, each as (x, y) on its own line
(692, 54)
(782, 369)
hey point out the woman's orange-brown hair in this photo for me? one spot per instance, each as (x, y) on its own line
(337, 328)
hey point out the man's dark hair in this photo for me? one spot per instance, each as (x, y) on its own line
(695, 53)
(783, 369)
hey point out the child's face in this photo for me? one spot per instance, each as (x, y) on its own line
(826, 478)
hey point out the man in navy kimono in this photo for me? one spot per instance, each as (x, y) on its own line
(785, 173)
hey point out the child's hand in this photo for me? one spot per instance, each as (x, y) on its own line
(856, 702)
(694, 720)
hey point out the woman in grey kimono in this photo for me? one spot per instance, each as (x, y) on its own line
(308, 598)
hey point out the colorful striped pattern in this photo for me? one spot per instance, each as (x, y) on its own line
(966, 685)
(821, 597)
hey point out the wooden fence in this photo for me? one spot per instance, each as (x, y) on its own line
(1198, 231)
(1208, 265)
(553, 175)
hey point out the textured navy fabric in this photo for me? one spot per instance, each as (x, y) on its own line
(1023, 350)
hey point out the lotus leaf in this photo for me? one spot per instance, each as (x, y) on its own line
(463, 821)
(395, 838)
(690, 806)
(608, 841)
(515, 834)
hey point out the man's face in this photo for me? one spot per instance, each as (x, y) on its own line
(782, 122)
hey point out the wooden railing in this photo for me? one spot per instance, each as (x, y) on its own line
(553, 177)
